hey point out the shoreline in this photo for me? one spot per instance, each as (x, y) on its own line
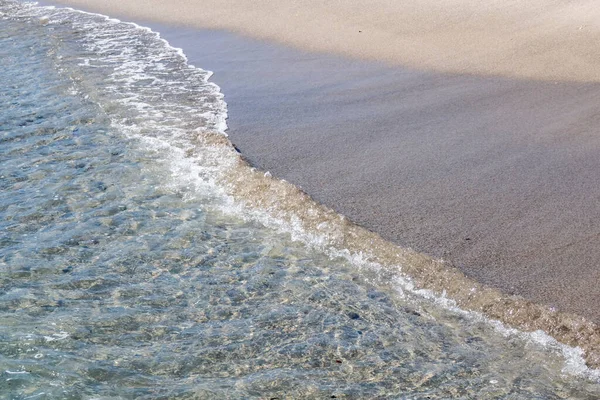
(444, 165)
(377, 90)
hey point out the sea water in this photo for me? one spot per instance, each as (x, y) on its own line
(127, 271)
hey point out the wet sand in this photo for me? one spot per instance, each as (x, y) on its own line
(496, 175)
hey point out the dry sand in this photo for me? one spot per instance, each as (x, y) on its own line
(536, 39)
(497, 175)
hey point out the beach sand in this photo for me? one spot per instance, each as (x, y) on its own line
(536, 39)
(472, 139)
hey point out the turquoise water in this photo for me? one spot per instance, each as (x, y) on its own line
(126, 271)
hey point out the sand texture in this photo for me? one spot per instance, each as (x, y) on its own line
(536, 39)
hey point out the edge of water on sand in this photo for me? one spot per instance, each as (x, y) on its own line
(256, 195)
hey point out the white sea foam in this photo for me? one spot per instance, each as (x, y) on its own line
(56, 336)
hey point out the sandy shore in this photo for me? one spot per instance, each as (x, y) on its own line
(492, 174)
(536, 39)
(497, 175)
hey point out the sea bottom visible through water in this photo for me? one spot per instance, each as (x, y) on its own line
(126, 272)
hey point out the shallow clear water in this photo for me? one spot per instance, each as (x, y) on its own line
(125, 272)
